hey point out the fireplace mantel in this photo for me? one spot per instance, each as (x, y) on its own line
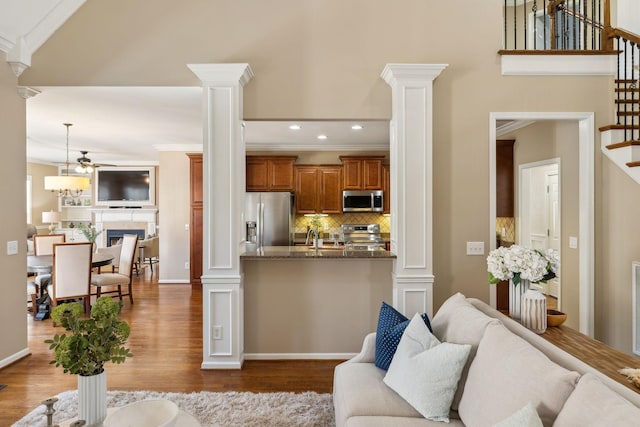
(123, 218)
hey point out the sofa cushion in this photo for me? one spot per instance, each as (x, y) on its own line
(359, 390)
(391, 325)
(524, 417)
(425, 372)
(367, 421)
(506, 374)
(459, 322)
(594, 404)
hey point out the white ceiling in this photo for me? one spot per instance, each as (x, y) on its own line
(131, 125)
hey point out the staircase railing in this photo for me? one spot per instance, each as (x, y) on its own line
(627, 83)
(558, 25)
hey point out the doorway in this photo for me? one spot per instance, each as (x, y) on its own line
(539, 210)
(586, 230)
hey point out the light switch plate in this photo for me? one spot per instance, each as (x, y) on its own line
(573, 242)
(475, 248)
(12, 247)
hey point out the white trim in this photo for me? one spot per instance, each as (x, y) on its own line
(51, 22)
(298, 356)
(174, 281)
(222, 365)
(586, 137)
(558, 65)
(635, 305)
(512, 127)
(14, 357)
(315, 147)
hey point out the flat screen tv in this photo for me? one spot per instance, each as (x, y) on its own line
(125, 186)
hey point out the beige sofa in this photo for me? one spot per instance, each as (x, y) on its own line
(508, 368)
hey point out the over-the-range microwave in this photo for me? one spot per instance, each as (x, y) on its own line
(362, 201)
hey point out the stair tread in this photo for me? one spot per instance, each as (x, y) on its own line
(630, 143)
(618, 127)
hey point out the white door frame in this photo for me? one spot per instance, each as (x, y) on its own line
(586, 234)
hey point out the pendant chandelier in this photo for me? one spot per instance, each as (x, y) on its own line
(67, 185)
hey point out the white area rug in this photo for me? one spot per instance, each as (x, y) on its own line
(308, 409)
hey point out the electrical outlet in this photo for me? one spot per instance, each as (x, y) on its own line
(186, 265)
(12, 247)
(475, 248)
(217, 332)
(186, 227)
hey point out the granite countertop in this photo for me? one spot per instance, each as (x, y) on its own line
(305, 252)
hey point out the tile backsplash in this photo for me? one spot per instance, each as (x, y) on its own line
(335, 221)
(506, 229)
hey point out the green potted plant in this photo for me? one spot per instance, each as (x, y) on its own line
(91, 343)
(89, 232)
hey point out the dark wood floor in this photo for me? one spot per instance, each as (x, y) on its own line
(166, 340)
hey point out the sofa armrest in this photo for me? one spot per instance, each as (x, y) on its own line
(368, 352)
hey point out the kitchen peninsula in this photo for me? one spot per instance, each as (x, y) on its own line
(305, 303)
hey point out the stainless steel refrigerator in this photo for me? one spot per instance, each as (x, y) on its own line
(273, 216)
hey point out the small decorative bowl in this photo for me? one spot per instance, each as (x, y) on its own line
(555, 317)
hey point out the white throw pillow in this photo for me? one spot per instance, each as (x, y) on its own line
(525, 417)
(425, 372)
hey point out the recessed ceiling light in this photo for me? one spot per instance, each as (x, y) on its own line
(294, 127)
(356, 127)
(322, 136)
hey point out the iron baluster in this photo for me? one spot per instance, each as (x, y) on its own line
(625, 89)
(544, 24)
(524, 19)
(633, 86)
(618, 81)
(515, 27)
(534, 10)
(504, 19)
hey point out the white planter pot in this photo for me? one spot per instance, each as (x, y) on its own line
(515, 298)
(534, 311)
(92, 399)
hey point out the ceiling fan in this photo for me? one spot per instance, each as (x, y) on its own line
(85, 165)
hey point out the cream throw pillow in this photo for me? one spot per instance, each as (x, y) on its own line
(425, 372)
(506, 374)
(594, 404)
(525, 417)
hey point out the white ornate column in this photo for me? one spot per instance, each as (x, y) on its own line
(410, 152)
(223, 196)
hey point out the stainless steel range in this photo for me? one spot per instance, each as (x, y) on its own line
(362, 237)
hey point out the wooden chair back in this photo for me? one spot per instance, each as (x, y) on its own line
(43, 243)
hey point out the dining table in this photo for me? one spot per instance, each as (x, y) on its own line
(42, 264)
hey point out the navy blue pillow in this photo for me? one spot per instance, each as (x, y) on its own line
(391, 326)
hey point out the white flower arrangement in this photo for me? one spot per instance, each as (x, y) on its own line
(518, 263)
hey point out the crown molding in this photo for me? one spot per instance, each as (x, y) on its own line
(214, 74)
(27, 92)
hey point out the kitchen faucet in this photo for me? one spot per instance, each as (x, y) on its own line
(315, 237)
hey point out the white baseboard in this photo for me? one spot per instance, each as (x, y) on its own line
(14, 357)
(298, 356)
(174, 282)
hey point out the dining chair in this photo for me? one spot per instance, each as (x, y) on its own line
(124, 274)
(150, 251)
(71, 273)
(43, 245)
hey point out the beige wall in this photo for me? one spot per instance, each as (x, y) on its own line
(323, 59)
(13, 321)
(547, 140)
(173, 214)
(325, 306)
(42, 200)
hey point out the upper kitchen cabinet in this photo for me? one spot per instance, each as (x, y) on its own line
(318, 189)
(270, 173)
(504, 178)
(362, 173)
(386, 187)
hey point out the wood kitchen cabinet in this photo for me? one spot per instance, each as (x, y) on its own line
(504, 178)
(386, 188)
(270, 173)
(318, 189)
(362, 173)
(195, 227)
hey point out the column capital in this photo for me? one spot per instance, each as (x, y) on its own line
(222, 74)
(415, 73)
